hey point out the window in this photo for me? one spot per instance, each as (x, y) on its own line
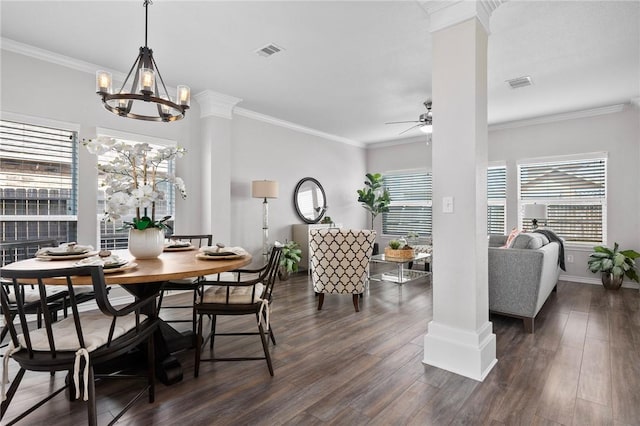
(111, 234)
(574, 191)
(410, 207)
(496, 200)
(38, 182)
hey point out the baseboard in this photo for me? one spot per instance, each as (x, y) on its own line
(594, 281)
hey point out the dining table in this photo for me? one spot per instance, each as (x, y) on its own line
(142, 277)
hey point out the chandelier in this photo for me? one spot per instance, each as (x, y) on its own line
(145, 99)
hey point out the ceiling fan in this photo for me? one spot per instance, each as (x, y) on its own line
(425, 120)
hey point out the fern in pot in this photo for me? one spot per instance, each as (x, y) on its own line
(614, 265)
(289, 260)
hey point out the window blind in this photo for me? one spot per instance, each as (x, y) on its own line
(38, 182)
(410, 207)
(575, 194)
(496, 199)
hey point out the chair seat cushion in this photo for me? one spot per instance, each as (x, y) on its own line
(95, 330)
(33, 295)
(238, 295)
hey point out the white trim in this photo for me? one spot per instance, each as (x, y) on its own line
(298, 128)
(118, 134)
(594, 281)
(39, 121)
(470, 353)
(38, 217)
(444, 14)
(396, 142)
(216, 104)
(572, 115)
(558, 158)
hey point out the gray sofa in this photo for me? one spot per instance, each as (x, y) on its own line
(522, 277)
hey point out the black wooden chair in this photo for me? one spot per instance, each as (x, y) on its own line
(185, 284)
(77, 343)
(13, 251)
(244, 296)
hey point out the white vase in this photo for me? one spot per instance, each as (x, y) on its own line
(146, 244)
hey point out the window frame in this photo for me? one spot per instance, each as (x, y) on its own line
(577, 201)
(427, 203)
(73, 128)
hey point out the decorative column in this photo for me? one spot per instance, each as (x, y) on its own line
(460, 337)
(216, 113)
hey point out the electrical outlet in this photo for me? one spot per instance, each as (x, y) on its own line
(570, 258)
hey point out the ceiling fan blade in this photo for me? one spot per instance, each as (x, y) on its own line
(412, 127)
(399, 122)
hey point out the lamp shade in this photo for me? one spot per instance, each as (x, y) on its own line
(535, 211)
(264, 189)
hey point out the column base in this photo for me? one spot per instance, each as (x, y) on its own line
(468, 353)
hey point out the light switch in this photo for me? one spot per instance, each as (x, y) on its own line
(447, 204)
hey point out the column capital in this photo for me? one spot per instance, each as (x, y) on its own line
(216, 104)
(444, 13)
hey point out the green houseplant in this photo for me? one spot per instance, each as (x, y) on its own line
(289, 260)
(614, 265)
(374, 197)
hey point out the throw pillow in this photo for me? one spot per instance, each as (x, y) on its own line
(526, 240)
(512, 235)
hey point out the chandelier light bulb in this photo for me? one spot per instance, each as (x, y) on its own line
(184, 95)
(147, 80)
(103, 82)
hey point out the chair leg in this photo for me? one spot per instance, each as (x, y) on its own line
(213, 331)
(11, 392)
(267, 355)
(151, 369)
(320, 301)
(196, 367)
(193, 311)
(91, 408)
(528, 325)
(355, 302)
(160, 297)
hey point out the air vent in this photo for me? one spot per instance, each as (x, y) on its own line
(519, 82)
(269, 50)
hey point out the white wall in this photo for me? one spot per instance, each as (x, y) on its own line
(618, 134)
(264, 151)
(35, 88)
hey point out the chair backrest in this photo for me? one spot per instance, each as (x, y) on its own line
(12, 251)
(196, 240)
(340, 259)
(268, 276)
(68, 275)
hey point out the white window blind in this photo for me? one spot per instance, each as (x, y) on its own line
(111, 234)
(496, 199)
(38, 182)
(574, 192)
(410, 207)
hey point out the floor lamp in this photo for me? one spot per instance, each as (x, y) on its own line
(265, 189)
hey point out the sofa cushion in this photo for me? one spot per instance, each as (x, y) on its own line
(526, 240)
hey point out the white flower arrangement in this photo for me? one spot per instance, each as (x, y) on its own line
(132, 179)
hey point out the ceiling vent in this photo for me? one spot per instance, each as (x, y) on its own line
(269, 50)
(519, 82)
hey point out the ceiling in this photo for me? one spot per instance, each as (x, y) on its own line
(348, 67)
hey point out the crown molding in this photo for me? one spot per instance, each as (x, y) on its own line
(396, 142)
(445, 13)
(558, 117)
(216, 104)
(292, 126)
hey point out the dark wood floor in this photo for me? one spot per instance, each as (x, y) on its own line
(581, 367)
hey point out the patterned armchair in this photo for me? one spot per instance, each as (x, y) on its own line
(340, 261)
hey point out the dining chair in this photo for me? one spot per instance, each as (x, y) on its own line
(57, 296)
(77, 343)
(249, 294)
(340, 261)
(187, 284)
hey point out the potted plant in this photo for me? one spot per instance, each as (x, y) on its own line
(289, 260)
(399, 249)
(614, 265)
(374, 197)
(133, 183)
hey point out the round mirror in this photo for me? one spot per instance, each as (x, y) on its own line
(310, 200)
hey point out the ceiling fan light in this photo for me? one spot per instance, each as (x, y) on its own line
(427, 128)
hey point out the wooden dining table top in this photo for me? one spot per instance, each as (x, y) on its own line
(168, 266)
